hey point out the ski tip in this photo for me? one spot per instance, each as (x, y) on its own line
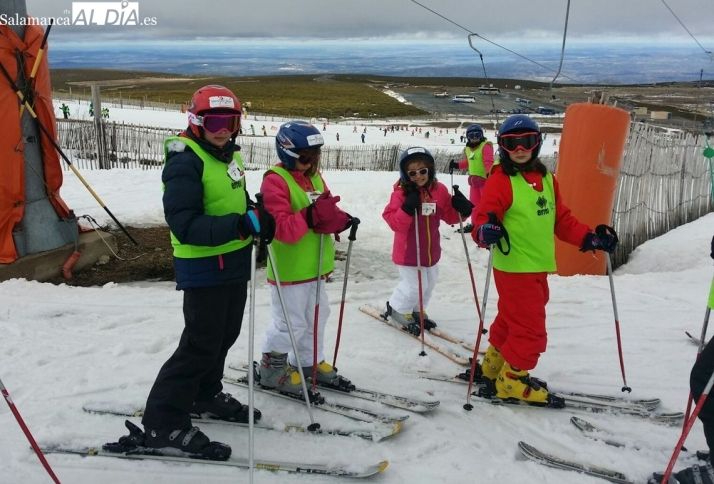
(382, 466)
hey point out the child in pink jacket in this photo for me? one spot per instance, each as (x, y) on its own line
(418, 193)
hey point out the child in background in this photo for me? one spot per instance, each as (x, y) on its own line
(522, 199)
(478, 159)
(418, 191)
(305, 212)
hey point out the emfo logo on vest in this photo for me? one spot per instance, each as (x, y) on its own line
(542, 206)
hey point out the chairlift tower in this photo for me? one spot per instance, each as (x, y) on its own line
(40, 229)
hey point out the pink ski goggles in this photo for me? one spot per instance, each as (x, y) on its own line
(215, 123)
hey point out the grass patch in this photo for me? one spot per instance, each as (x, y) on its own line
(303, 96)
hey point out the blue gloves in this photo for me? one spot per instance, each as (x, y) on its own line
(489, 233)
(604, 238)
(257, 222)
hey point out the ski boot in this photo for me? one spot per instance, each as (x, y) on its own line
(406, 320)
(276, 374)
(327, 376)
(428, 323)
(186, 442)
(224, 407)
(695, 474)
(513, 384)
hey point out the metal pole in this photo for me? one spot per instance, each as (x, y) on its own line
(271, 259)
(352, 237)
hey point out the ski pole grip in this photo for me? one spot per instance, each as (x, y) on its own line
(451, 166)
(353, 229)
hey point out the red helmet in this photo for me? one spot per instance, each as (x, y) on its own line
(211, 98)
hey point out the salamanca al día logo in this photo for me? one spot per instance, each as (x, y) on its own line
(119, 14)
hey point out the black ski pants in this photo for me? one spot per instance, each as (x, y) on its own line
(213, 317)
(701, 372)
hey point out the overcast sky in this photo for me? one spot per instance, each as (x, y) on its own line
(497, 19)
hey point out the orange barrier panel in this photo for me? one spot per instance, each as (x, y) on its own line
(589, 160)
(12, 162)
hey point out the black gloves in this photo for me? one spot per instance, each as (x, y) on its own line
(453, 165)
(460, 203)
(412, 199)
(604, 238)
(489, 234)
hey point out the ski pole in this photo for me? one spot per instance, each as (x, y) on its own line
(421, 291)
(687, 427)
(482, 315)
(702, 338)
(62, 154)
(625, 388)
(27, 433)
(352, 237)
(315, 323)
(36, 64)
(271, 260)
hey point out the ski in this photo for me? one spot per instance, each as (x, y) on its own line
(355, 413)
(144, 453)
(587, 404)
(440, 333)
(591, 431)
(452, 355)
(645, 403)
(550, 460)
(560, 402)
(381, 430)
(397, 401)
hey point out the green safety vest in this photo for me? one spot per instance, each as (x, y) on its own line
(475, 159)
(298, 262)
(219, 198)
(530, 222)
(711, 296)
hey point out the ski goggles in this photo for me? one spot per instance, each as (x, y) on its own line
(420, 171)
(309, 156)
(214, 123)
(473, 136)
(523, 141)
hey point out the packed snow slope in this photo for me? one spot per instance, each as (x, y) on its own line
(64, 347)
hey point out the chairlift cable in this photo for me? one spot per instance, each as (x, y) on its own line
(562, 49)
(543, 66)
(707, 52)
(493, 105)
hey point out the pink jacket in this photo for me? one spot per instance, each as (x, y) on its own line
(404, 247)
(290, 226)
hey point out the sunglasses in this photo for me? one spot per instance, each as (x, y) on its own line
(420, 171)
(213, 123)
(525, 141)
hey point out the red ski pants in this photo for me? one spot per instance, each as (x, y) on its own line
(518, 331)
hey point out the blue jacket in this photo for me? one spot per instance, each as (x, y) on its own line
(183, 210)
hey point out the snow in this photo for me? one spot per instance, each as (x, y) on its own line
(438, 137)
(64, 347)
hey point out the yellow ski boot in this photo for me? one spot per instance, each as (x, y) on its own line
(513, 384)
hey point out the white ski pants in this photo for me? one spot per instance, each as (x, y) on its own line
(300, 305)
(405, 297)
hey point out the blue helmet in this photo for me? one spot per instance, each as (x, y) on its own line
(294, 136)
(519, 123)
(415, 152)
(474, 132)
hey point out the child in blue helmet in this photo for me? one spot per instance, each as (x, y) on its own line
(306, 216)
(417, 193)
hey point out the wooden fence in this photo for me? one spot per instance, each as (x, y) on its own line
(665, 180)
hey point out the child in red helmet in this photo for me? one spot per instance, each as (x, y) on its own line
(521, 199)
(212, 223)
